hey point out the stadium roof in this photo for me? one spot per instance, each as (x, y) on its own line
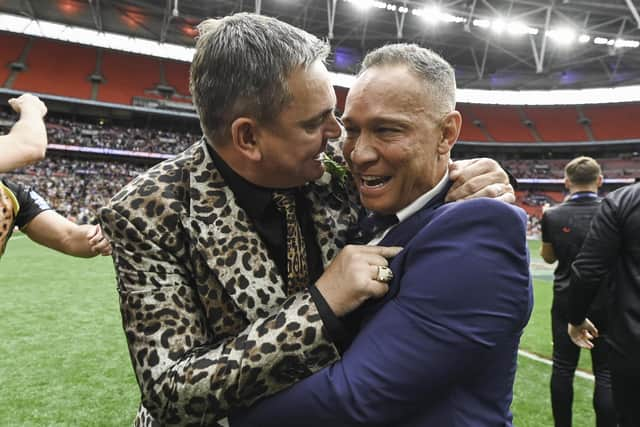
(493, 44)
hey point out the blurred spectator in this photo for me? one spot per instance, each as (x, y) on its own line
(76, 188)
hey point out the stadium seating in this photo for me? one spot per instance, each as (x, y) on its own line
(127, 76)
(614, 121)
(12, 47)
(177, 76)
(470, 131)
(503, 123)
(57, 68)
(557, 124)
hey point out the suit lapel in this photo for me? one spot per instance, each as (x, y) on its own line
(225, 237)
(402, 235)
(333, 214)
(408, 228)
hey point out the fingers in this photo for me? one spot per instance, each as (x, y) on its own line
(28, 103)
(98, 243)
(377, 289)
(591, 328)
(481, 186)
(93, 232)
(102, 248)
(13, 102)
(383, 251)
(383, 274)
(475, 178)
(581, 336)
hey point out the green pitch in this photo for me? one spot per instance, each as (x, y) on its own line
(64, 359)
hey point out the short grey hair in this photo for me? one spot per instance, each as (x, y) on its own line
(241, 66)
(427, 65)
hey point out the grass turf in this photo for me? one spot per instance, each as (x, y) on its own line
(65, 361)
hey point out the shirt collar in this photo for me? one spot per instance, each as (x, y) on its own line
(421, 201)
(250, 197)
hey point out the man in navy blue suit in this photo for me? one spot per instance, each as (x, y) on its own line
(440, 348)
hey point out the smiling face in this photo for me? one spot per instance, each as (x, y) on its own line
(291, 145)
(398, 138)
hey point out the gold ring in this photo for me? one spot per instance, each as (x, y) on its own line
(384, 274)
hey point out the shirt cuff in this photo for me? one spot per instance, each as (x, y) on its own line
(334, 326)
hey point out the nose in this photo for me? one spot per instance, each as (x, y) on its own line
(363, 152)
(334, 128)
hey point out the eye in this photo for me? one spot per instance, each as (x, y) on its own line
(384, 129)
(311, 126)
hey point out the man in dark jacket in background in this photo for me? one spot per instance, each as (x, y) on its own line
(611, 254)
(564, 228)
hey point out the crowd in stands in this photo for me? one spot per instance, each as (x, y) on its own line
(76, 188)
(68, 132)
(626, 166)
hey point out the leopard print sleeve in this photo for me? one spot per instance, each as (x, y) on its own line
(196, 356)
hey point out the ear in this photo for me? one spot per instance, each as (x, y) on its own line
(243, 137)
(599, 181)
(450, 126)
(567, 183)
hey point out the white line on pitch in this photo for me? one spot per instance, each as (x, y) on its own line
(21, 236)
(546, 361)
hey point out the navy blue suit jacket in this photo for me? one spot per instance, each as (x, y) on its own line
(440, 349)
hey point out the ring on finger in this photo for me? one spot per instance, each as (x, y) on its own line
(384, 274)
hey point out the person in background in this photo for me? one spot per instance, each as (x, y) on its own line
(610, 257)
(564, 228)
(22, 207)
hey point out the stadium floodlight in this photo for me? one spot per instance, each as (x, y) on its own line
(368, 4)
(518, 28)
(431, 14)
(562, 36)
(482, 23)
(600, 40)
(584, 38)
(626, 43)
(498, 26)
(447, 17)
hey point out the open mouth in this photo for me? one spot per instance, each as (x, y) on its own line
(374, 181)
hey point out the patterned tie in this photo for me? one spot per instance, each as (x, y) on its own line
(297, 270)
(372, 225)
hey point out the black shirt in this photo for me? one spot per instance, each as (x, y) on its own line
(29, 205)
(565, 226)
(271, 226)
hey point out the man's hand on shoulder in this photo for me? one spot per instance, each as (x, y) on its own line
(481, 177)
